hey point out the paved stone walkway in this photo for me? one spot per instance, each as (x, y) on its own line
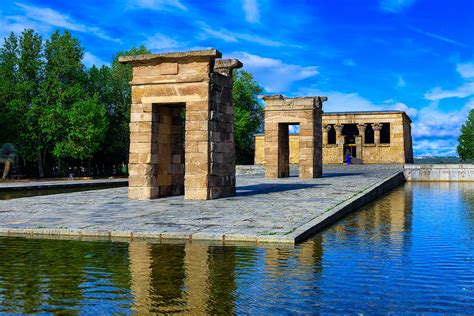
(262, 210)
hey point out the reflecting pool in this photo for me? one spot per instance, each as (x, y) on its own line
(410, 251)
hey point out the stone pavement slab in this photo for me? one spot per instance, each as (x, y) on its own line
(264, 210)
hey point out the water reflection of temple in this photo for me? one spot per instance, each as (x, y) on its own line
(201, 278)
(385, 219)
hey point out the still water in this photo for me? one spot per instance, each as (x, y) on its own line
(410, 251)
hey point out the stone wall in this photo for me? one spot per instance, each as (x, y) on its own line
(163, 162)
(439, 172)
(280, 112)
(399, 150)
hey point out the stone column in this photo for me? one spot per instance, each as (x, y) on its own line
(338, 128)
(377, 127)
(326, 129)
(361, 128)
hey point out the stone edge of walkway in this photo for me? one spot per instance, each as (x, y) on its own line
(354, 203)
(300, 234)
(78, 184)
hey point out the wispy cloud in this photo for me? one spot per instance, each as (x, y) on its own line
(349, 62)
(401, 82)
(252, 12)
(466, 70)
(158, 4)
(55, 18)
(160, 41)
(436, 36)
(274, 74)
(395, 6)
(90, 60)
(463, 91)
(233, 37)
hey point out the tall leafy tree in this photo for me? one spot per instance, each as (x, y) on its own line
(63, 86)
(248, 114)
(30, 76)
(8, 79)
(466, 139)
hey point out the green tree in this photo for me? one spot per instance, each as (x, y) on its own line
(64, 83)
(30, 77)
(466, 139)
(8, 79)
(85, 130)
(248, 114)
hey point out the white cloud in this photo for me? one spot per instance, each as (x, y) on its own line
(55, 18)
(436, 36)
(463, 91)
(158, 4)
(234, 37)
(434, 148)
(466, 70)
(434, 123)
(159, 42)
(17, 24)
(274, 74)
(395, 6)
(252, 13)
(90, 60)
(349, 62)
(401, 82)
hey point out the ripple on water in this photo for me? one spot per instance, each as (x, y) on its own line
(410, 251)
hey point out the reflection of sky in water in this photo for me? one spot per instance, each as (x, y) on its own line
(410, 251)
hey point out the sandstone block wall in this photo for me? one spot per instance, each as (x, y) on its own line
(399, 150)
(181, 133)
(280, 112)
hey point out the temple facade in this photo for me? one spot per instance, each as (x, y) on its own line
(373, 137)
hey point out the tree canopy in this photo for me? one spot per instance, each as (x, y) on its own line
(61, 115)
(248, 115)
(466, 139)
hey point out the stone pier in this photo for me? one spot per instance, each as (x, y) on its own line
(280, 112)
(181, 125)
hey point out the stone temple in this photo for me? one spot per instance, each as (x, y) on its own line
(181, 125)
(374, 137)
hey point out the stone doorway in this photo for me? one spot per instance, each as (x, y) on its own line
(170, 128)
(352, 148)
(280, 113)
(167, 155)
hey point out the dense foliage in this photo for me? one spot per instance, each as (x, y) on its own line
(63, 117)
(466, 139)
(248, 115)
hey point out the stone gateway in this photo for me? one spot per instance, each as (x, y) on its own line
(181, 125)
(280, 113)
(374, 137)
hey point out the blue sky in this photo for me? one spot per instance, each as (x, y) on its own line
(412, 55)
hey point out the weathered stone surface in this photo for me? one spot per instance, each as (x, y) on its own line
(163, 87)
(399, 150)
(280, 112)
